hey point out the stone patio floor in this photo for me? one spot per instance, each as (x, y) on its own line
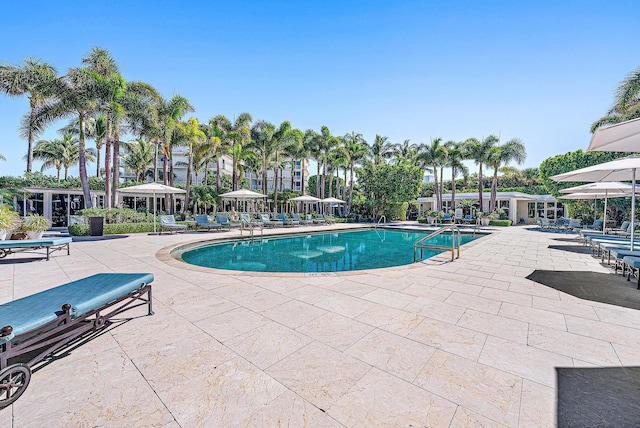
(439, 344)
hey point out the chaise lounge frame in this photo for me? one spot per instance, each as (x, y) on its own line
(33, 245)
(18, 353)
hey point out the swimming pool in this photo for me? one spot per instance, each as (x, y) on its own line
(316, 252)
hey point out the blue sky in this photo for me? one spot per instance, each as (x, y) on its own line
(541, 71)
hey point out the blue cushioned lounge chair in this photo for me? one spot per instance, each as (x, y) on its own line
(223, 219)
(202, 222)
(286, 221)
(31, 245)
(34, 327)
(168, 222)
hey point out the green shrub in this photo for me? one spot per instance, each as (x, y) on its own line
(500, 223)
(114, 229)
(117, 215)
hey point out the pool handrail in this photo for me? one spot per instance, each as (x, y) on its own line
(421, 244)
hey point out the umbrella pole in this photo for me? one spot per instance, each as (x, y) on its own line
(604, 223)
(633, 207)
(154, 212)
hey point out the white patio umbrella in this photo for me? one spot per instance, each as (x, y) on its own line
(621, 137)
(242, 194)
(152, 188)
(332, 201)
(306, 199)
(601, 190)
(623, 169)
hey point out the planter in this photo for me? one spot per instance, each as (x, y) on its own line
(96, 226)
(485, 221)
(34, 234)
(3, 234)
(430, 220)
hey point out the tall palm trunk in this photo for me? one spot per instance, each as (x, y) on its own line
(480, 187)
(188, 184)
(350, 190)
(494, 190)
(116, 169)
(318, 179)
(265, 176)
(441, 185)
(82, 160)
(98, 162)
(218, 180)
(275, 178)
(302, 177)
(453, 188)
(32, 104)
(107, 169)
(438, 206)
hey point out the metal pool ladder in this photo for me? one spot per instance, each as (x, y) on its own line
(379, 221)
(244, 224)
(421, 243)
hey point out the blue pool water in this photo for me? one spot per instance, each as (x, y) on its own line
(321, 252)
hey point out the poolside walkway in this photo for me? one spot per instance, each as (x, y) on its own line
(469, 343)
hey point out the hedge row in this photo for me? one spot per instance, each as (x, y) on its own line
(500, 223)
(114, 229)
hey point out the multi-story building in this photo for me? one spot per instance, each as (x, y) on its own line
(226, 168)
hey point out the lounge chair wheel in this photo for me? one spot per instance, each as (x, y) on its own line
(13, 382)
(99, 322)
(3, 253)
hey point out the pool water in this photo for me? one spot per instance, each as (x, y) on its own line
(321, 252)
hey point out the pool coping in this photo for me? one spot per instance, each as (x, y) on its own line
(164, 254)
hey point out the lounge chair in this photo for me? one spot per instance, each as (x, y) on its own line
(270, 223)
(597, 225)
(316, 220)
(327, 218)
(297, 218)
(632, 265)
(286, 221)
(447, 218)
(34, 327)
(223, 219)
(168, 222)
(623, 229)
(246, 220)
(202, 222)
(467, 219)
(32, 245)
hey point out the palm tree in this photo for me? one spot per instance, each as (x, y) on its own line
(327, 143)
(455, 158)
(76, 95)
(193, 137)
(220, 127)
(2, 157)
(479, 152)
(298, 151)
(381, 149)
(284, 137)
(239, 134)
(512, 150)
(356, 149)
(60, 154)
(263, 145)
(530, 175)
(626, 104)
(36, 79)
(95, 129)
(311, 142)
(432, 156)
(139, 157)
(404, 152)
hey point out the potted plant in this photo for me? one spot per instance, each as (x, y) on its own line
(9, 220)
(35, 225)
(431, 216)
(485, 217)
